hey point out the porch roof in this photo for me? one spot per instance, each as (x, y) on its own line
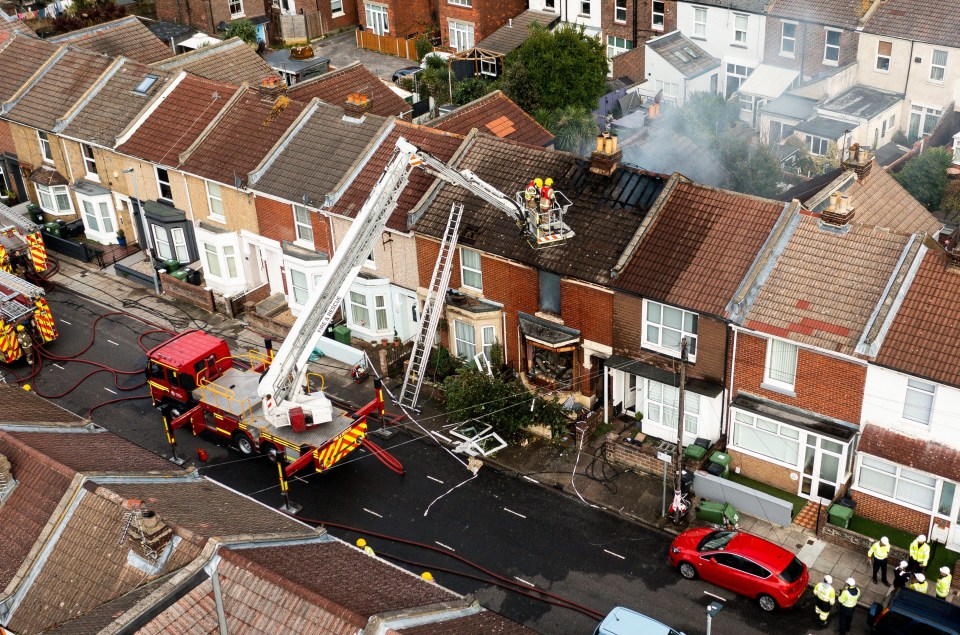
(547, 332)
(926, 456)
(634, 367)
(834, 428)
(768, 82)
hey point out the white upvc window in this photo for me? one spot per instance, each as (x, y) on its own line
(461, 35)
(923, 119)
(831, 47)
(662, 407)
(215, 201)
(488, 67)
(236, 8)
(617, 45)
(918, 401)
(620, 11)
(585, 7)
(336, 7)
(89, 162)
(380, 311)
(301, 222)
(657, 12)
(767, 438)
(788, 39)
(471, 274)
(377, 18)
(465, 339)
(163, 184)
(221, 264)
(938, 66)
(54, 199)
(884, 51)
(359, 311)
(162, 244)
(489, 338)
(700, 22)
(461, 3)
(664, 326)
(45, 150)
(300, 285)
(670, 89)
(98, 217)
(780, 370)
(817, 145)
(740, 22)
(892, 481)
(180, 244)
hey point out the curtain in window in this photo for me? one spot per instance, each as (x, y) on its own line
(466, 338)
(358, 308)
(916, 489)
(381, 310)
(878, 476)
(918, 401)
(764, 440)
(783, 362)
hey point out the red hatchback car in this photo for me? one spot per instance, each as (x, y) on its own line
(741, 563)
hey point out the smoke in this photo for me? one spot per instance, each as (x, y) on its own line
(658, 147)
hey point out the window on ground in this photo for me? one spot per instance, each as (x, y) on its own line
(781, 364)
(471, 275)
(180, 244)
(461, 3)
(489, 334)
(465, 339)
(664, 326)
(918, 402)
(161, 243)
(97, 215)
(376, 18)
(923, 119)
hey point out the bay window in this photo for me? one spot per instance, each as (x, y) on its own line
(300, 286)
(465, 339)
(901, 484)
(221, 263)
(54, 199)
(358, 309)
(380, 310)
(662, 407)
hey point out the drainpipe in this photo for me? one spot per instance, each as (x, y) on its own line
(506, 353)
(726, 368)
(606, 394)
(733, 376)
(636, 32)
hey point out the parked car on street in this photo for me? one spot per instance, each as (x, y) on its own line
(909, 612)
(623, 621)
(742, 563)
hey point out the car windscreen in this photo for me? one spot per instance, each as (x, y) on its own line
(793, 571)
(716, 540)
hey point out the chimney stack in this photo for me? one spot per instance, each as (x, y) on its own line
(356, 106)
(605, 159)
(271, 87)
(860, 160)
(839, 212)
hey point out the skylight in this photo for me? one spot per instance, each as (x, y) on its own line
(146, 84)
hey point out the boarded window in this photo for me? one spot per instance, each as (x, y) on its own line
(549, 292)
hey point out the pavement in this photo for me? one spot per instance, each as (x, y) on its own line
(577, 468)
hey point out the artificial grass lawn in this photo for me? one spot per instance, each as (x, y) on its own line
(797, 501)
(939, 555)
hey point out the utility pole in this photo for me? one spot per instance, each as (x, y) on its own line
(678, 452)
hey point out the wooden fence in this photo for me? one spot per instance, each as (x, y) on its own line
(401, 47)
(302, 27)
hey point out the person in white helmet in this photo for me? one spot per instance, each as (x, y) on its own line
(919, 553)
(919, 583)
(901, 575)
(878, 556)
(826, 597)
(942, 587)
(848, 604)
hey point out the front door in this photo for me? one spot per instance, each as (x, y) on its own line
(822, 463)
(630, 394)
(953, 538)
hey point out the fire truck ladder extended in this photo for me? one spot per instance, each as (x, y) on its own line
(432, 310)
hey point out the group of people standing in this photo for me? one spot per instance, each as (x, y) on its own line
(539, 194)
(909, 574)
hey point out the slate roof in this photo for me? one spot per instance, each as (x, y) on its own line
(699, 247)
(335, 86)
(242, 137)
(683, 54)
(922, 337)
(862, 102)
(507, 38)
(317, 155)
(52, 95)
(498, 115)
(930, 21)
(826, 284)
(115, 105)
(84, 451)
(926, 456)
(605, 213)
(126, 36)
(20, 57)
(838, 13)
(484, 623)
(209, 509)
(167, 30)
(825, 127)
(16, 402)
(232, 62)
(86, 567)
(25, 513)
(747, 6)
(178, 120)
(441, 145)
(10, 24)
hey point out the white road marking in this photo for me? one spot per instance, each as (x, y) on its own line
(59, 366)
(532, 480)
(615, 555)
(112, 342)
(65, 322)
(513, 512)
(301, 479)
(374, 513)
(435, 479)
(444, 546)
(110, 391)
(525, 582)
(713, 595)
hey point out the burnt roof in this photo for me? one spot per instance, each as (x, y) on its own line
(126, 36)
(497, 114)
(605, 211)
(335, 86)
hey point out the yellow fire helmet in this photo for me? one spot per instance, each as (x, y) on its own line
(538, 182)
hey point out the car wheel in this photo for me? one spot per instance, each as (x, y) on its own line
(687, 571)
(767, 603)
(244, 444)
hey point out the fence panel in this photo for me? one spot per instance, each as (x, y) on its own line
(399, 47)
(746, 500)
(314, 25)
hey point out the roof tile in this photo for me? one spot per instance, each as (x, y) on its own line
(126, 36)
(510, 36)
(484, 623)
(20, 57)
(333, 88)
(232, 62)
(497, 114)
(939, 24)
(840, 13)
(926, 456)
(84, 451)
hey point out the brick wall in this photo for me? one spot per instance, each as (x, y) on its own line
(275, 220)
(205, 15)
(825, 385)
(349, 18)
(406, 17)
(631, 64)
(889, 513)
(846, 538)
(192, 294)
(763, 471)
(645, 29)
(486, 16)
(809, 48)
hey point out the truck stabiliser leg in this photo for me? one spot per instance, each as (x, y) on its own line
(288, 506)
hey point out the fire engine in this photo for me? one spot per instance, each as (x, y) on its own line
(21, 244)
(271, 403)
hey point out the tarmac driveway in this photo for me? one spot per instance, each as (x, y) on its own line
(342, 50)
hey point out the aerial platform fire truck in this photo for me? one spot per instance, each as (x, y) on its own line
(266, 403)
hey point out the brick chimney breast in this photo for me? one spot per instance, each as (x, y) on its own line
(357, 105)
(860, 160)
(271, 87)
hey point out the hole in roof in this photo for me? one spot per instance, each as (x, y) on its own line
(469, 234)
(146, 84)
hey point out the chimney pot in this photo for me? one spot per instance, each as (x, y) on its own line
(358, 104)
(510, 22)
(271, 87)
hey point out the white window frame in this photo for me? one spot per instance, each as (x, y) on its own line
(359, 310)
(924, 390)
(161, 183)
(810, 140)
(378, 18)
(300, 292)
(670, 400)
(380, 313)
(50, 199)
(227, 266)
(488, 67)
(236, 8)
(740, 35)
(215, 202)
(302, 226)
(898, 473)
(781, 379)
(881, 57)
(620, 11)
(471, 273)
(700, 22)
(670, 89)
(336, 8)
(650, 309)
(658, 19)
(461, 3)
(585, 8)
(792, 39)
(461, 35)
(104, 226)
(488, 337)
(938, 69)
(923, 112)
(89, 162)
(180, 244)
(161, 242)
(46, 150)
(827, 47)
(458, 342)
(766, 427)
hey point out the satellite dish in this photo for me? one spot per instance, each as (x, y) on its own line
(222, 26)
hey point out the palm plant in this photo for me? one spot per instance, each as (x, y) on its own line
(573, 127)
